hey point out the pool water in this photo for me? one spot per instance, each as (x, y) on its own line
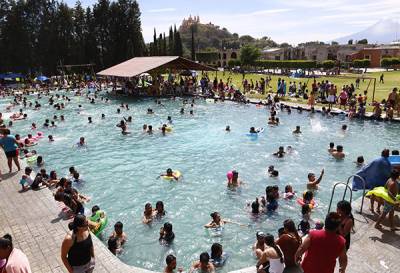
(120, 171)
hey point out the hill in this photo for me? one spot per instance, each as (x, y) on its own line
(383, 32)
(210, 37)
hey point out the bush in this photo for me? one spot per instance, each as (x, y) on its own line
(328, 64)
(361, 63)
(207, 57)
(390, 62)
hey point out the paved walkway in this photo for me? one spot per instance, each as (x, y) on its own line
(35, 221)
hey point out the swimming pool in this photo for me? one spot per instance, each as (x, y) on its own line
(120, 171)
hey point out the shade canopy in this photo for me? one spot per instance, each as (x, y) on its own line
(139, 65)
(42, 78)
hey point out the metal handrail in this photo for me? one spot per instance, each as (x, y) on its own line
(364, 185)
(333, 191)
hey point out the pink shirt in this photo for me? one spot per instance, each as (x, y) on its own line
(17, 263)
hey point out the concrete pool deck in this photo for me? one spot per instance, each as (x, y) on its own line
(34, 221)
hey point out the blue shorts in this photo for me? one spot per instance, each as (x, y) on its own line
(387, 207)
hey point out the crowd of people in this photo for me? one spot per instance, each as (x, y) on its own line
(309, 246)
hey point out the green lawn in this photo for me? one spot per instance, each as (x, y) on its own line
(391, 79)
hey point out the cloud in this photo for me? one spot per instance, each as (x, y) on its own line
(161, 10)
(266, 12)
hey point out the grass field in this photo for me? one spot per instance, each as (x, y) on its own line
(391, 80)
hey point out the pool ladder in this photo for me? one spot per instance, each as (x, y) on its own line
(351, 192)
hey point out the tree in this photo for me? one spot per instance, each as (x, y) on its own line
(350, 42)
(171, 48)
(361, 63)
(334, 43)
(155, 44)
(164, 45)
(328, 64)
(249, 54)
(362, 42)
(178, 49)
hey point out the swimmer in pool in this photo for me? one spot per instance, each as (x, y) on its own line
(313, 182)
(227, 128)
(360, 161)
(233, 181)
(103, 116)
(338, 154)
(253, 130)
(81, 143)
(344, 127)
(144, 127)
(148, 214)
(331, 147)
(203, 265)
(218, 222)
(169, 119)
(169, 173)
(297, 131)
(150, 130)
(280, 153)
(129, 119)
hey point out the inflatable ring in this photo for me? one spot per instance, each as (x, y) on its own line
(31, 159)
(382, 193)
(99, 217)
(177, 174)
(300, 201)
(168, 129)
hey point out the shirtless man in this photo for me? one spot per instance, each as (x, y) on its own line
(338, 154)
(203, 265)
(171, 264)
(393, 190)
(312, 183)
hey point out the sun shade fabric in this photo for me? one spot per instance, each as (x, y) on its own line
(139, 65)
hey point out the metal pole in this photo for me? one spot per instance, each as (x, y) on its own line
(373, 94)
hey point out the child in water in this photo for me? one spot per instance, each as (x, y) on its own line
(169, 174)
(289, 193)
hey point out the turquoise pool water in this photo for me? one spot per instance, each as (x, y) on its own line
(120, 171)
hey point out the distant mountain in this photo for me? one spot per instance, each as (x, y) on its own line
(383, 32)
(210, 37)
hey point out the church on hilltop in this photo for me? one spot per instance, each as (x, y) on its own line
(186, 23)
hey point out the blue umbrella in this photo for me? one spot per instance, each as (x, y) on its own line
(42, 78)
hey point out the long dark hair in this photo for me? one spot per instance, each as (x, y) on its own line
(269, 240)
(289, 225)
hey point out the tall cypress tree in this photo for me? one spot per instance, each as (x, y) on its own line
(164, 47)
(160, 45)
(171, 42)
(155, 44)
(178, 44)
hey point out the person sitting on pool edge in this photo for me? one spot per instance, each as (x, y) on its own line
(203, 265)
(166, 234)
(313, 182)
(280, 153)
(297, 131)
(338, 154)
(169, 173)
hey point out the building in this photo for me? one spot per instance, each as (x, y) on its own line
(218, 58)
(376, 54)
(313, 51)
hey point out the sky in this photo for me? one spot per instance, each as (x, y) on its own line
(292, 21)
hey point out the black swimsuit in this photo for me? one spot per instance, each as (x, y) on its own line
(80, 252)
